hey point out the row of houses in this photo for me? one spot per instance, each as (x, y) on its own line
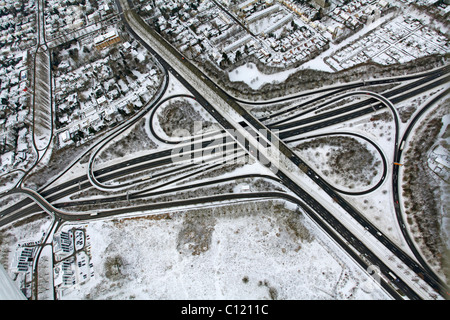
(17, 35)
(62, 17)
(93, 97)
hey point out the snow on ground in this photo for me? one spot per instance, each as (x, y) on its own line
(13, 239)
(254, 78)
(253, 168)
(445, 224)
(13, 180)
(175, 87)
(250, 256)
(197, 107)
(9, 290)
(373, 205)
(318, 62)
(319, 158)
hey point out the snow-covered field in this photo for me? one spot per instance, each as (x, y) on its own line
(255, 250)
(251, 254)
(250, 75)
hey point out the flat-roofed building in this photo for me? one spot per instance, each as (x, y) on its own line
(106, 40)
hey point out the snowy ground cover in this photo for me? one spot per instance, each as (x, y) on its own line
(16, 76)
(248, 251)
(348, 163)
(42, 120)
(18, 237)
(253, 250)
(96, 89)
(373, 206)
(424, 192)
(396, 37)
(183, 117)
(254, 78)
(245, 251)
(73, 16)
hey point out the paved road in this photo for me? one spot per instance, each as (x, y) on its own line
(318, 212)
(396, 188)
(216, 199)
(359, 136)
(349, 112)
(335, 89)
(324, 214)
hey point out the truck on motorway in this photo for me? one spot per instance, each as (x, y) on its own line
(392, 275)
(148, 177)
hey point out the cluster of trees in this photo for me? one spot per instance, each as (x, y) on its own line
(179, 10)
(421, 191)
(348, 159)
(114, 267)
(137, 140)
(4, 11)
(179, 115)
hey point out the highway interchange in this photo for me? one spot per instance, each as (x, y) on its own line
(241, 138)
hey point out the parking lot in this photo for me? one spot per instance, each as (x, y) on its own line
(73, 261)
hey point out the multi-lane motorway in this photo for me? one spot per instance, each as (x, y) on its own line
(184, 69)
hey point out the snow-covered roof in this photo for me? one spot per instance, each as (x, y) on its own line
(104, 37)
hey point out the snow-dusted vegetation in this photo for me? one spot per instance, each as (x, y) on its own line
(346, 162)
(137, 140)
(181, 115)
(254, 250)
(425, 192)
(135, 215)
(42, 103)
(260, 250)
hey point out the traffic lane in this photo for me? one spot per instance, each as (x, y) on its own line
(81, 183)
(377, 106)
(437, 72)
(149, 193)
(218, 117)
(383, 159)
(344, 232)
